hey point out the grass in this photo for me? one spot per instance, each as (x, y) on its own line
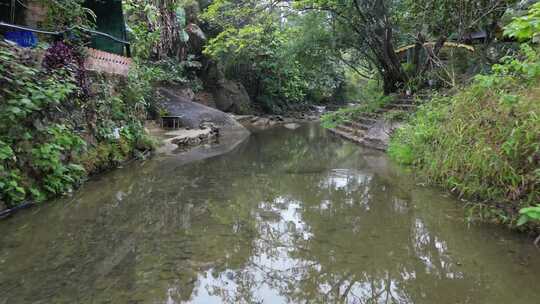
(484, 142)
(372, 100)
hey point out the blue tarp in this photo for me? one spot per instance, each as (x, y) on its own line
(22, 38)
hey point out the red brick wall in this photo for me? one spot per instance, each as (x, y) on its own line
(100, 61)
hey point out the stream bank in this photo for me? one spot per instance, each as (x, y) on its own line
(60, 124)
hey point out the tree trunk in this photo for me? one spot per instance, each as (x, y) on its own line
(391, 82)
(388, 62)
(170, 44)
(392, 74)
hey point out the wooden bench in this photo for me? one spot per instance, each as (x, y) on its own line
(166, 120)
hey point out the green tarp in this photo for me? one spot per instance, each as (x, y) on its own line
(110, 20)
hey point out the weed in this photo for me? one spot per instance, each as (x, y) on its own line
(484, 142)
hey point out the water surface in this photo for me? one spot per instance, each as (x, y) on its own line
(286, 217)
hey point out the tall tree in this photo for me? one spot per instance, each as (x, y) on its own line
(159, 27)
(373, 28)
(278, 54)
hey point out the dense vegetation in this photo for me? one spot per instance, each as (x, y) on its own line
(54, 130)
(59, 123)
(281, 56)
(484, 141)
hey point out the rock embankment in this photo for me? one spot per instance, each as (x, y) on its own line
(373, 130)
(269, 121)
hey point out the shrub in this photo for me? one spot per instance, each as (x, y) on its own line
(484, 142)
(372, 99)
(43, 118)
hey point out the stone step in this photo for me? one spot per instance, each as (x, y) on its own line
(403, 100)
(400, 106)
(360, 140)
(374, 143)
(366, 120)
(345, 128)
(347, 135)
(356, 125)
(350, 129)
(374, 115)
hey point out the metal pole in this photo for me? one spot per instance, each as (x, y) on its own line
(13, 3)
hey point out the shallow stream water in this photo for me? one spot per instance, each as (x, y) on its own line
(285, 217)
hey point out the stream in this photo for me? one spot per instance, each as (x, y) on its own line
(286, 216)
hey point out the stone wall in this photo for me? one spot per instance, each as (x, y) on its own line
(35, 14)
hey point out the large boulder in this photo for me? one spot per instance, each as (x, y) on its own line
(192, 114)
(197, 38)
(212, 74)
(231, 96)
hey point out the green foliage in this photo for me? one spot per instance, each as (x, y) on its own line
(158, 28)
(41, 121)
(28, 90)
(279, 75)
(140, 16)
(526, 27)
(28, 93)
(278, 61)
(483, 142)
(396, 115)
(146, 23)
(57, 175)
(448, 17)
(333, 119)
(529, 214)
(421, 131)
(371, 100)
(67, 13)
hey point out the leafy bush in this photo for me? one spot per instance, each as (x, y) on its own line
(484, 142)
(57, 176)
(280, 62)
(525, 27)
(63, 56)
(529, 214)
(43, 118)
(372, 100)
(67, 12)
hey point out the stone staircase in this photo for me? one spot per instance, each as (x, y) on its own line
(371, 129)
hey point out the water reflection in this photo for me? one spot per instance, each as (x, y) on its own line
(289, 217)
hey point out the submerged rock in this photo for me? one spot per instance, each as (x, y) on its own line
(261, 122)
(292, 126)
